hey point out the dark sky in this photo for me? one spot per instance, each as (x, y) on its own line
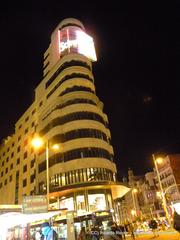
(136, 75)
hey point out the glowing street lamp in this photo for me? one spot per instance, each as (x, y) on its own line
(134, 191)
(161, 194)
(38, 143)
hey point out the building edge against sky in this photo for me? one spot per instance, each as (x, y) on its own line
(67, 112)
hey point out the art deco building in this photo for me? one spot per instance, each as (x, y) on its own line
(67, 112)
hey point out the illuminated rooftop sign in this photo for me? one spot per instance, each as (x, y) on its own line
(74, 40)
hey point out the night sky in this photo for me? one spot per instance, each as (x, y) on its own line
(136, 75)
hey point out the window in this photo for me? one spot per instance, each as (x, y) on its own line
(26, 130)
(6, 170)
(11, 167)
(24, 182)
(32, 178)
(10, 178)
(19, 138)
(2, 163)
(18, 149)
(5, 182)
(1, 174)
(26, 119)
(17, 161)
(32, 124)
(7, 159)
(33, 112)
(13, 144)
(25, 155)
(12, 154)
(32, 163)
(20, 126)
(1, 185)
(40, 104)
(24, 168)
(8, 149)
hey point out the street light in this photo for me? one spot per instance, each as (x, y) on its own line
(37, 143)
(159, 161)
(134, 191)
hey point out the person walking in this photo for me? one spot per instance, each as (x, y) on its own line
(82, 234)
(153, 225)
(131, 230)
(48, 233)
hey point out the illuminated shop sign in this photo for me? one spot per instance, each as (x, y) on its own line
(74, 40)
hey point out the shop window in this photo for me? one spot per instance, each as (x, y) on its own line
(67, 203)
(96, 202)
(80, 201)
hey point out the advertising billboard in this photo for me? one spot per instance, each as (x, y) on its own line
(34, 204)
(74, 40)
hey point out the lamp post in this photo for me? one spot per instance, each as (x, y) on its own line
(156, 161)
(134, 190)
(38, 143)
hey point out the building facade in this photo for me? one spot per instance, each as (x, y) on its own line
(67, 112)
(170, 178)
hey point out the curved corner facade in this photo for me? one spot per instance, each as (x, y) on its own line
(67, 112)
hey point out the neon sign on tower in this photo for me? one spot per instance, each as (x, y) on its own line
(74, 40)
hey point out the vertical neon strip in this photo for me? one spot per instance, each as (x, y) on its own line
(68, 40)
(59, 41)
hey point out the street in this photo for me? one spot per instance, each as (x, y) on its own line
(163, 235)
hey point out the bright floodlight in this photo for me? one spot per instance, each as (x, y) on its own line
(135, 190)
(55, 147)
(159, 160)
(37, 142)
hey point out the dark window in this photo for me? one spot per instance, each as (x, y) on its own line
(32, 163)
(20, 126)
(26, 119)
(11, 167)
(1, 185)
(6, 170)
(24, 168)
(32, 124)
(12, 154)
(26, 130)
(8, 149)
(32, 178)
(10, 178)
(33, 112)
(18, 149)
(5, 182)
(80, 133)
(77, 89)
(25, 155)
(2, 163)
(13, 144)
(7, 159)
(1, 174)
(40, 104)
(19, 138)
(64, 66)
(73, 117)
(75, 154)
(24, 182)
(17, 161)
